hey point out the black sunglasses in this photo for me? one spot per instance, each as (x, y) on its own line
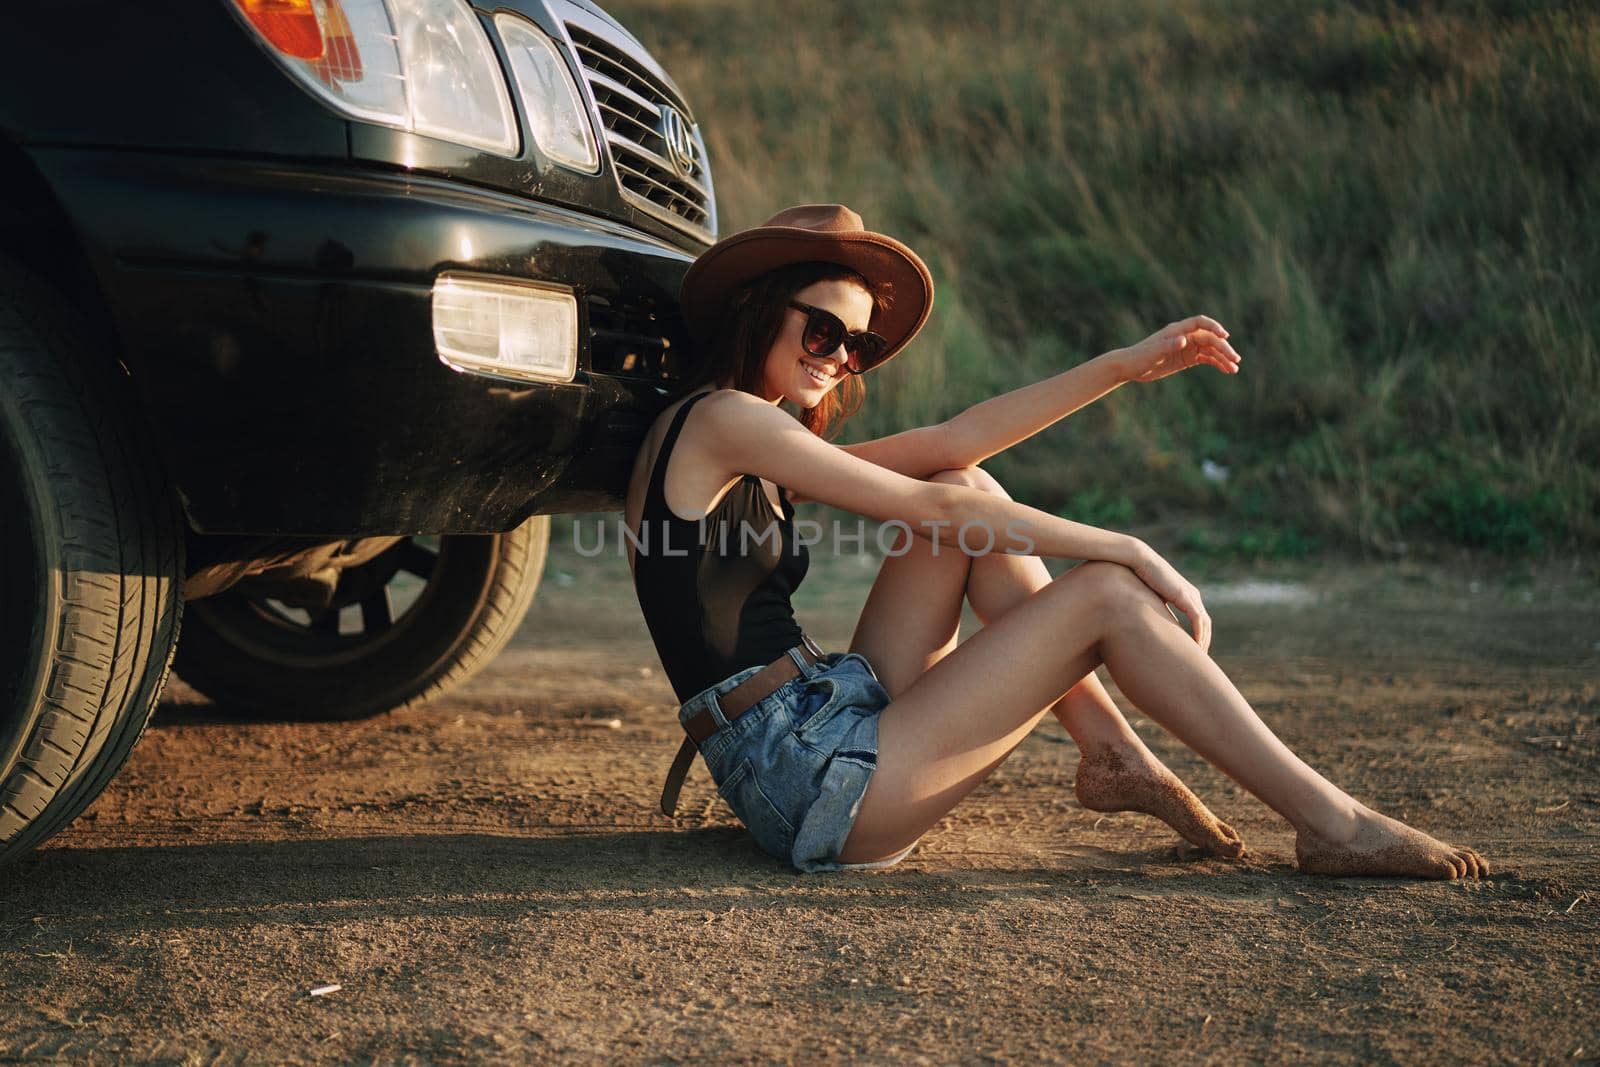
(825, 332)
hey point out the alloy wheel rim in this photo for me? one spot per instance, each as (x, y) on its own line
(374, 605)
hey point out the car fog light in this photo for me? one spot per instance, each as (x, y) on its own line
(516, 329)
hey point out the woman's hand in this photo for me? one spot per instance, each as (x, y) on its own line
(1173, 588)
(1179, 346)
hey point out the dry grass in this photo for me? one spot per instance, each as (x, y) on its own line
(1392, 209)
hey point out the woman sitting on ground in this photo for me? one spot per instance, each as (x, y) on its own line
(843, 760)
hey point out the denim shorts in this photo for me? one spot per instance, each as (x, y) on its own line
(795, 765)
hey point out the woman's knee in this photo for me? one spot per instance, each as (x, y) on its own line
(976, 477)
(1111, 586)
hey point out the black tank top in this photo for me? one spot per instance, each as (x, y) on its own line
(715, 591)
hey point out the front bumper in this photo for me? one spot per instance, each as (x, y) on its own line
(277, 320)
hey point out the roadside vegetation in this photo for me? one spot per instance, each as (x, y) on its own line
(1394, 208)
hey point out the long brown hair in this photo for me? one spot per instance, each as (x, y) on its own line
(738, 350)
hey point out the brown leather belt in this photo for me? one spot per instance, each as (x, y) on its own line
(734, 703)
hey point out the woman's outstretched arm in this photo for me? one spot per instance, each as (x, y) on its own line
(994, 425)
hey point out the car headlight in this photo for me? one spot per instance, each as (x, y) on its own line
(424, 66)
(550, 97)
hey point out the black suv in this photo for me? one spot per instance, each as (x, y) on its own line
(311, 312)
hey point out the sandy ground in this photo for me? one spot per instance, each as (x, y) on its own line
(488, 879)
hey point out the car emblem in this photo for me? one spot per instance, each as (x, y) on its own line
(680, 144)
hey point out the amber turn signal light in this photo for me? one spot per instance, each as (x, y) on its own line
(290, 26)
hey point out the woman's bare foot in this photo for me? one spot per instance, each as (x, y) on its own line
(1379, 845)
(1130, 778)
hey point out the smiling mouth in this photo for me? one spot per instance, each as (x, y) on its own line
(816, 375)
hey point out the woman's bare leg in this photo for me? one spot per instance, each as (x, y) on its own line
(911, 621)
(951, 727)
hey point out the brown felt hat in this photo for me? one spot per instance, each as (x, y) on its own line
(831, 233)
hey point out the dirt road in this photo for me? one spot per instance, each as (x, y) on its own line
(487, 878)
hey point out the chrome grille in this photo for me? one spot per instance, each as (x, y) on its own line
(633, 104)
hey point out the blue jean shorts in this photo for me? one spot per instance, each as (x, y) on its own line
(795, 765)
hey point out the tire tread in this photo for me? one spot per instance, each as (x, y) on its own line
(120, 555)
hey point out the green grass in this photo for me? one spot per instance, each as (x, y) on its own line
(1394, 209)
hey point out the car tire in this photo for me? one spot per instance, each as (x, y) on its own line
(259, 658)
(91, 558)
